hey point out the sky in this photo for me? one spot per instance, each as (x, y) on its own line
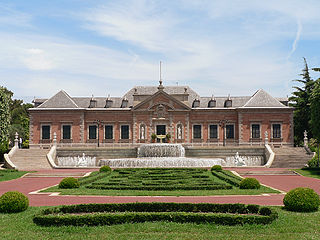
(107, 47)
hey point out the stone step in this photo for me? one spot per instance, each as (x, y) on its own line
(54, 174)
(268, 172)
(30, 159)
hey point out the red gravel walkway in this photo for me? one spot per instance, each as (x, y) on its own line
(28, 185)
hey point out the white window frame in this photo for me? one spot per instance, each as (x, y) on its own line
(104, 131)
(201, 137)
(255, 123)
(280, 129)
(217, 124)
(66, 124)
(121, 130)
(88, 135)
(46, 124)
(234, 132)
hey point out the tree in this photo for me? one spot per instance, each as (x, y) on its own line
(4, 120)
(315, 113)
(301, 102)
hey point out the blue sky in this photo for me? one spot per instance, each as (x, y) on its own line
(107, 47)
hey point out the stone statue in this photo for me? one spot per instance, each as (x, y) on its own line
(239, 160)
(179, 132)
(142, 132)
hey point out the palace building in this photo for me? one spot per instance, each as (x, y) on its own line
(145, 111)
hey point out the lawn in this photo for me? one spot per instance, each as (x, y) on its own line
(288, 226)
(312, 172)
(161, 182)
(9, 174)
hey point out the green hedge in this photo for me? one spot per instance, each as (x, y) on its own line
(69, 182)
(249, 183)
(227, 177)
(13, 202)
(94, 176)
(108, 214)
(301, 200)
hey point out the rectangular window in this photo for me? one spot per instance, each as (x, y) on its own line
(213, 131)
(255, 130)
(108, 132)
(197, 131)
(124, 131)
(230, 131)
(66, 131)
(276, 130)
(92, 132)
(45, 132)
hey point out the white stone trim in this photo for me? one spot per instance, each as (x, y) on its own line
(218, 127)
(273, 123)
(104, 131)
(61, 132)
(45, 124)
(88, 133)
(128, 124)
(255, 123)
(201, 137)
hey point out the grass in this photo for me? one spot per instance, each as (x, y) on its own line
(128, 179)
(288, 226)
(312, 172)
(9, 174)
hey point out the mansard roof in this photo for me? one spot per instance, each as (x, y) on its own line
(259, 99)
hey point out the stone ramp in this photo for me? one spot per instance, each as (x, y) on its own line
(54, 174)
(31, 159)
(290, 157)
(269, 172)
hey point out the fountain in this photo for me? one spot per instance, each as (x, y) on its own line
(78, 161)
(244, 161)
(161, 155)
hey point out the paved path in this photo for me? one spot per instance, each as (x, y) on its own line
(29, 185)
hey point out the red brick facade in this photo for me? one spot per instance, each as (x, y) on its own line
(235, 125)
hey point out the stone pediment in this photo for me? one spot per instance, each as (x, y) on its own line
(164, 101)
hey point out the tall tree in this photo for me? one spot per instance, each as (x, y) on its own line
(301, 99)
(315, 113)
(4, 119)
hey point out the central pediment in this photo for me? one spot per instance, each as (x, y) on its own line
(163, 101)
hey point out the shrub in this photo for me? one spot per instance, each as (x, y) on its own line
(105, 169)
(12, 202)
(249, 183)
(301, 200)
(69, 182)
(216, 168)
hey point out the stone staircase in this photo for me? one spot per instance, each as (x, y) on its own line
(31, 159)
(290, 157)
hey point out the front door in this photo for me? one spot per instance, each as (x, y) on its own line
(161, 130)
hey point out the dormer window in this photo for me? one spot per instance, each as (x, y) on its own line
(196, 103)
(228, 102)
(212, 103)
(124, 103)
(109, 103)
(93, 103)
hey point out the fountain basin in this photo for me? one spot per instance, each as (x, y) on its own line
(161, 150)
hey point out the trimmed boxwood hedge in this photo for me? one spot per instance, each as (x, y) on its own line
(301, 200)
(13, 202)
(69, 182)
(108, 214)
(249, 183)
(227, 177)
(94, 176)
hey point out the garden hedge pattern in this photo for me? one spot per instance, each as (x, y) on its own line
(108, 214)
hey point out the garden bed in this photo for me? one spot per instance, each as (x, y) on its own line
(110, 214)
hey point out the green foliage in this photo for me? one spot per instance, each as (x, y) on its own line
(94, 176)
(4, 119)
(301, 200)
(301, 99)
(13, 202)
(216, 168)
(69, 182)
(105, 169)
(228, 177)
(109, 214)
(153, 136)
(155, 179)
(315, 114)
(249, 183)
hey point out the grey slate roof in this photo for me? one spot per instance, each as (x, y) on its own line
(60, 100)
(258, 99)
(262, 99)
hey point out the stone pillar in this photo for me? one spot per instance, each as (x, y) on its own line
(305, 139)
(266, 139)
(16, 140)
(54, 139)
